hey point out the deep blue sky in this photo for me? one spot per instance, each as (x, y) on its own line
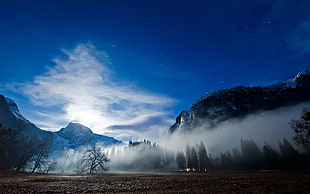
(179, 49)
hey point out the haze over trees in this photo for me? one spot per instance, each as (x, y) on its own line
(20, 153)
(250, 157)
(204, 161)
(180, 160)
(143, 156)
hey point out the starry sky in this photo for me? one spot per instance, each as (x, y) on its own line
(127, 68)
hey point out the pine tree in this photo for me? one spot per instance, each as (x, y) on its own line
(251, 156)
(290, 156)
(194, 158)
(204, 162)
(180, 159)
(188, 157)
(272, 159)
(226, 161)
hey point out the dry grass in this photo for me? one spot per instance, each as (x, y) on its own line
(212, 182)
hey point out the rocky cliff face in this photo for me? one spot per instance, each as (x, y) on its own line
(220, 105)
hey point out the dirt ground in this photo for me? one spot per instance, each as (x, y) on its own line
(210, 182)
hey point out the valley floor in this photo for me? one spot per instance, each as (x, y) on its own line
(210, 182)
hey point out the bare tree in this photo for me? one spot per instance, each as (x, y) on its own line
(40, 159)
(32, 153)
(25, 154)
(51, 166)
(94, 161)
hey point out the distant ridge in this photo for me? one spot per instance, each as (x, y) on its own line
(220, 105)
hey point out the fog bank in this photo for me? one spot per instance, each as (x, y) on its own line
(262, 127)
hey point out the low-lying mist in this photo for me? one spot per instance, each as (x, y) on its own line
(262, 133)
(262, 127)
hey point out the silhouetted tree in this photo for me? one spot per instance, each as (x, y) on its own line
(302, 128)
(226, 161)
(194, 158)
(180, 159)
(144, 142)
(204, 162)
(94, 161)
(20, 150)
(8, 147)
(290, 156)
(272, 159)
(236, 158)
(191, 158)
(26, 153)
(188, 156)
(251, 156)
(215, 162)
(40, 160)
(51, 166)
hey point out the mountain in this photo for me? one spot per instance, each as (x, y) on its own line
(73, 136)
(11, 118)
(76, 135)
(220, 105)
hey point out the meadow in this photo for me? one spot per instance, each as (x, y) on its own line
(209, 182)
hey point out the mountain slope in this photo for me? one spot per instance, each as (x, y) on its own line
(220, 105)
(73, 136)
(76, 135)
(10, 117)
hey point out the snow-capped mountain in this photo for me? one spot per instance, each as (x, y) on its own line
(73, 136)
(76, 135)
(220, 105)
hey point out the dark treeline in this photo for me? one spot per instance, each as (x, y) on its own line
(22, 152)
(250, 157)
(145, 156)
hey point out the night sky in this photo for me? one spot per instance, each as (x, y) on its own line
(127, 68)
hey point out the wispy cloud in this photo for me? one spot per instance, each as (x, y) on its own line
(300, 38)
(81, 88)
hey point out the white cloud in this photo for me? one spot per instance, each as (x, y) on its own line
(79, 88)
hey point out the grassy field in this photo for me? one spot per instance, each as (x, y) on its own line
(211, 182)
